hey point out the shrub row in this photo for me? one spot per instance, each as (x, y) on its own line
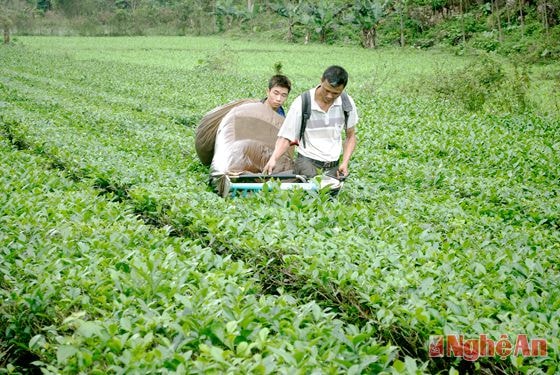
(86, 286)
(443, 229)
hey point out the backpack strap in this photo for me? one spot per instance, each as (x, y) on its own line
(306, 112)
(346, 108)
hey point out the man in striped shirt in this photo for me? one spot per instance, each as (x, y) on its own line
(320, 148)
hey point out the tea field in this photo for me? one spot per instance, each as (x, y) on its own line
(116, 257)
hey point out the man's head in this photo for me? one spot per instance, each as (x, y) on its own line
(279, 86)
(280, 80)
(333, 82)
(336, 76)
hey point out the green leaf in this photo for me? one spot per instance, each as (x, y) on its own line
(411, 366)
(64, 352)
(89, 329)
(399, 366)
(37, 341)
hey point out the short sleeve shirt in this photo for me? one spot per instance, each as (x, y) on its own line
(323, 132)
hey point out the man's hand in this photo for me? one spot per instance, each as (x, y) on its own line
(282, 144)
(269, 167)
(342, 171)
(349, 146)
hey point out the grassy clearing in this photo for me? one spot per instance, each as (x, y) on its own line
(449, 223)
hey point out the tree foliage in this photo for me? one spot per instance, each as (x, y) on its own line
(520, 26)
(366, 15)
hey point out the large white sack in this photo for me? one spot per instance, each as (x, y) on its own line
(245, 140)
(205, 136)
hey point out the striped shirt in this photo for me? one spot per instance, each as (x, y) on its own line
(323, 133)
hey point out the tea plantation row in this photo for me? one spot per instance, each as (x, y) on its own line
(87, 287)
(448, 225)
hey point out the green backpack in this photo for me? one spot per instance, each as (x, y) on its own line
(306, 111)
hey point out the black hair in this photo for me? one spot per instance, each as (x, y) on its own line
(336, 76)
(280, 80)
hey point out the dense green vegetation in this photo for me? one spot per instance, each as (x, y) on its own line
(116, 256)
(510, 27)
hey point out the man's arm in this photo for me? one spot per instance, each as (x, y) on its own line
(282, 145)
(349, 146)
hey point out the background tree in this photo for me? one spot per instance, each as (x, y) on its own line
(401, 8)
(291, 10)
(497, 19)
(11, 10)
(6, 24)
(44, 5)
(129, 4)
(510, 8)
(462, 18)
(83, 8)
(522, 16)
(366, 15)
(190, 17)
(423, 23)
(548, 10)
(324, 16)
(230, 11)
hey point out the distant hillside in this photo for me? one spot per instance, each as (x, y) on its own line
(526, 28)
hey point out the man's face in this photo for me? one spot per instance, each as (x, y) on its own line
(277, 96)
(328, 93)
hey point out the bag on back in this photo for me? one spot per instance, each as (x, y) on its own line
(205, 136)
(245, 141)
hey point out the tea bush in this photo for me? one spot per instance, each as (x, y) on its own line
(88, 287)
(448, 224)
